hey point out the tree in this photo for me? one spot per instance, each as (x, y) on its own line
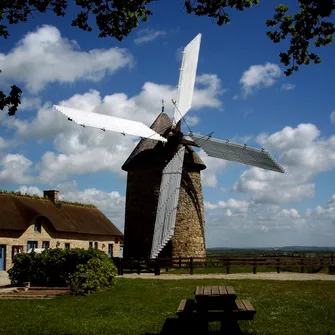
(117, 18)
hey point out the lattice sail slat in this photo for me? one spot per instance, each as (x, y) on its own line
(187, 76)
(236, 153)
(111, 123)
(167, 203)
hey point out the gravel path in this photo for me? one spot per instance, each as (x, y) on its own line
(259, 276)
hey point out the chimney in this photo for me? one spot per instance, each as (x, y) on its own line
(51, 194)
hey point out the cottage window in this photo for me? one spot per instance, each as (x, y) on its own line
(67, 246)
(95, 245)
(38, 226)
(90, 244)
(45, 245)
(32, 245)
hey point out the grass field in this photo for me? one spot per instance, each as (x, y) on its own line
(139, 307)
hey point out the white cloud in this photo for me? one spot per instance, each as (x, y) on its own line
(287, 87)
(148, 35)
(228, 212)
(44, 56)
(303, 155)
(332, 117)
(15, 169)
(214, 166)
(32, 190)
(240, 205)
(288, 138)
(327, 212)
(3, 143)
(258, 76)
(282, 226)
(192, 120)
(30, 103)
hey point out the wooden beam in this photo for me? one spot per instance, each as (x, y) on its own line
(188, 142)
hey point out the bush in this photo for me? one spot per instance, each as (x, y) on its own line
(27, 267)
(52, 267)
(97, 274)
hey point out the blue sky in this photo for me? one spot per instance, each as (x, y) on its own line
(241, 94)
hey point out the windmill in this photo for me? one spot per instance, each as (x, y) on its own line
(164, 213)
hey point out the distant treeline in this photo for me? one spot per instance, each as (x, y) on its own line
(270, 251)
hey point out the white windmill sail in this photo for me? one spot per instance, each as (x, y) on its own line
(187, 76)
(236, 153)
(167, 203)
(112, 123)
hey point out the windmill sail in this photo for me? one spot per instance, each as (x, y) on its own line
(106, 122)
(167, 203)
(237, 153)
(187, 79)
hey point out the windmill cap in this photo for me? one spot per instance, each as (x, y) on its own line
(155, 153)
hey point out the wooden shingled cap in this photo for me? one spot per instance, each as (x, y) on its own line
(150, 152)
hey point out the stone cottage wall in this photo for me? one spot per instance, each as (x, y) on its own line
(11, 238)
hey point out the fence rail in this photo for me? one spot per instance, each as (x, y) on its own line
(279, 263)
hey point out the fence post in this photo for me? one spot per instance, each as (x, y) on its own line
(179, 262)
(332, 258)
(131, 265)
(278, 265)
(191, 266)
(255, 266)
(138, 266)
(228, 267)
(302, 265)
(157, 267)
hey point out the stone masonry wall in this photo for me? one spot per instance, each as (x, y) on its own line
(11, 238)
(141, 204)
(189, 235)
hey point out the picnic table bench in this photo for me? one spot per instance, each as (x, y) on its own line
(215, 303)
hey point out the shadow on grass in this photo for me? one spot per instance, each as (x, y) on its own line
(176, 327)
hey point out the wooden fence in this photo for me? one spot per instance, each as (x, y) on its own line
(226, 263)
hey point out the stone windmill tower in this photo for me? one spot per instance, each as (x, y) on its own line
(164, 202)
(145, 166)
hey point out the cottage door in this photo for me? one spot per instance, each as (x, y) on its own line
(2, 257)
(110, 250)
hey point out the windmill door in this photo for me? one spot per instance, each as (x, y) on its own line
(2, 257)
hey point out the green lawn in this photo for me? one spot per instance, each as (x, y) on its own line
(137, 306)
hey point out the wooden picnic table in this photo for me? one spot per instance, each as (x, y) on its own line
(215, 303)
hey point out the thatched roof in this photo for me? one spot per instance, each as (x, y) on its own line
(156, 153)
(18, 212)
